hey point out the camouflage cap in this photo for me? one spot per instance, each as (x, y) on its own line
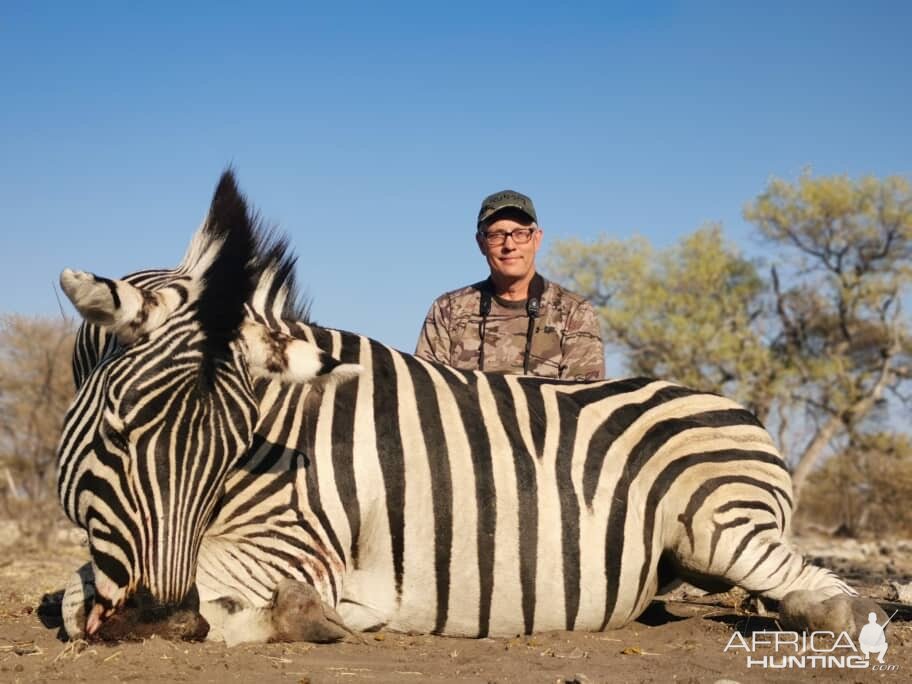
(506, 199)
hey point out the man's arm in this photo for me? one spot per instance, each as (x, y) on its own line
(434, 339)
(583, 356)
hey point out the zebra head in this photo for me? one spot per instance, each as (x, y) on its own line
(168, 403)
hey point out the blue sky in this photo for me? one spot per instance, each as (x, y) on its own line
(370, 133)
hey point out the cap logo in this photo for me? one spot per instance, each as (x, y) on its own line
(506, 199)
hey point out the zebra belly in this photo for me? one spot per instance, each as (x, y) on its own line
(369, 605)
(528, 590)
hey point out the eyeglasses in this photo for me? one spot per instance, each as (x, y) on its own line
(520, 236)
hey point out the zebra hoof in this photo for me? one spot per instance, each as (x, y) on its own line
(78, 598)
(299, 614)
(803, 611)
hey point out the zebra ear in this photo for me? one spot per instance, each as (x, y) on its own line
(274, 354)
(124, 309)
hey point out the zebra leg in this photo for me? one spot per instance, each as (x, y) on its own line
(78, 598)
(747, 547)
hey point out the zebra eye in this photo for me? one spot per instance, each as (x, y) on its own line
(118, 441)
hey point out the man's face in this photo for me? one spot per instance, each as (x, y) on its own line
(510, 259)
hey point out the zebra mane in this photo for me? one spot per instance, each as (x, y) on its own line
(241, 264)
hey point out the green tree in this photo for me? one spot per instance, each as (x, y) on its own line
(814, 349)
(846, 248)
(692, 313)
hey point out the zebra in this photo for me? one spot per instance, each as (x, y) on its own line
(278, 480)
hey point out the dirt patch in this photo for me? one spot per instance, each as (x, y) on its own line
(675, 641)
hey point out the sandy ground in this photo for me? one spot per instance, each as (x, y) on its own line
(675, 641)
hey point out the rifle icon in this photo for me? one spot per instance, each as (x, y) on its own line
(884, 625)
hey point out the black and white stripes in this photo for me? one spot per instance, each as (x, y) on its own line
(408, 494)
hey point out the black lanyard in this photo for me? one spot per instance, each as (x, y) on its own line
(533, 307)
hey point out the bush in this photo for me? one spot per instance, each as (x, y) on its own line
(865, 489)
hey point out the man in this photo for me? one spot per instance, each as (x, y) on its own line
(871, 639)
(515, 321)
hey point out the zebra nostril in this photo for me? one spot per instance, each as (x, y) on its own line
(96, 618)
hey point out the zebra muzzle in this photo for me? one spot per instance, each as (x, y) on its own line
(86, 614)
(141, 616)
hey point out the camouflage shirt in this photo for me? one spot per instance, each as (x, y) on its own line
(566, 342)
